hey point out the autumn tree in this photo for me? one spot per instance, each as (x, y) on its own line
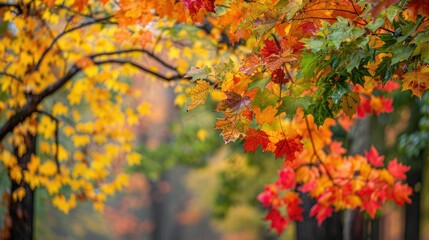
(68, 104)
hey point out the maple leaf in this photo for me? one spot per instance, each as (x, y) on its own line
(271, 48)
(198, 94)
(288, 147)
(234, 102)
(371, 206)
(269, 196)
(397, 170)
(374, 158)
(419, 6)
(349, 102)
(197, 73)
(278, 76)
(379, 5)
(286, 178)
(266, 116)
(278, 222)
(294, 211)
(254, 138)
(321, 212)
(417, 82)
(233, 127)
(401, 193)
(195, 6)
(80, 4)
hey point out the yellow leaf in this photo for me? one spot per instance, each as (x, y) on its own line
(202, 134)
(53, 186)
(8, 159)
(132, 118)
(59, 109)
(144, 108)
(417, 82)
(34, 164)
(349, 102)
(99, 206)
(133, 159)
(80, 140)
(48, 168)
(121, 180)
(180, 100)
(18, 194)
(16, 173)
(199, 94)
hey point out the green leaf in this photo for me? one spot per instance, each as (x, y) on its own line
(338, 91)
(258, 80)
(320, 112)
(264, 99)
(308, 64)
(379, 22)
(357, 75)
(197, 73)
(401, 53)
(355, 59)
(291, 104)
(315, 43)
(385, 70)
(222, 68)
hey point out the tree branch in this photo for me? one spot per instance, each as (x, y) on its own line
(33, 101)
(153, 56)
(144, 69)
(95, 21)
(12, 76)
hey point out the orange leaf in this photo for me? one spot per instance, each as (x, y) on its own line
(415, 81)
(266, 116)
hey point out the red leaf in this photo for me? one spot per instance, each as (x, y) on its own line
(401, 193)
(278, 222)
(294, 211)
(270, 48)
(254, 138)
(194, 6)
(288, 147)
(321, 212)
(269, 197)
(397, 170)
(371, 207)
(286, 178)
(374, 158)
(278, 76)
(419, 6)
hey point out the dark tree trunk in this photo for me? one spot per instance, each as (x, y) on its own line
(331, 228)
(412, 211)
(22, 212)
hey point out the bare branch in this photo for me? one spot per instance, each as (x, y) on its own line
(142, 68)
(12, 76)
(153, 56)
(95, 21)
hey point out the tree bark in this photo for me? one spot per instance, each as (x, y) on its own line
(22, 212)
(412, 211)
(331, 228)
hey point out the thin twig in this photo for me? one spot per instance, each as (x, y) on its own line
(12, 76)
